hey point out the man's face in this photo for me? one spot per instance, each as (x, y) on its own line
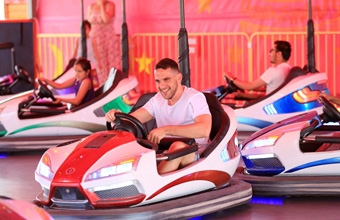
(167, 82)
(273, 54)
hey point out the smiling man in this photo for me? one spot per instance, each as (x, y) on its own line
(178, 111)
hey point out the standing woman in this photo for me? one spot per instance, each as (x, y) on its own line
(101, 16)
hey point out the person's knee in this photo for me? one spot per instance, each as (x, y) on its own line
(177, 145)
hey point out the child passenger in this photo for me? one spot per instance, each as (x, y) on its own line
(82, 81)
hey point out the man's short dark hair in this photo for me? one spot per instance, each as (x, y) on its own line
(284, 47)
(167, 63)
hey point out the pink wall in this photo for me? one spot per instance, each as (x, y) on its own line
(64, 16)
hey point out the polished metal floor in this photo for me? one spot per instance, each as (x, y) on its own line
(17, 181)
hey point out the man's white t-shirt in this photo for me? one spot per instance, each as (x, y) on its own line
(191, 104)
(275, 76)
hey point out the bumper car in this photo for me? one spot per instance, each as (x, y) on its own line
(19, 210)
(21, 75)
(297, 94)
(114, 173)
(296, 156)
(34, 121)
(9, 81)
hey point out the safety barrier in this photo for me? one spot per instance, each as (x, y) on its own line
(211, 55)
(55, 50)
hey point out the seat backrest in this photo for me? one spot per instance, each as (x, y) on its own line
(111, 83)
(294, 72)
(220, 123)
(140, 103)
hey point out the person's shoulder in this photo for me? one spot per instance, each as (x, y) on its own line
(191, 93)
(191, 90)
(284, 68)
(284, 64)
(86, 81)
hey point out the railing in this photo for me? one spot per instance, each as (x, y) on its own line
(55, 50)
(207, 65)
(211, 55)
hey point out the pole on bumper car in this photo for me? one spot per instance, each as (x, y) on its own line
(125, 43)
(183, 49)
(83, 33)
(310, 41)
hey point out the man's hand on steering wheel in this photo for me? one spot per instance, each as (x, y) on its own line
(229, 78)
(125, 122)
(110, 115)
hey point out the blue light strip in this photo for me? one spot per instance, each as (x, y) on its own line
(327, 161)
(253, 122)
(267, 200)
(287, 104)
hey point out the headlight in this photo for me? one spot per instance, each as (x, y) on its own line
(306, 95)
(45, 168)
(262, 142)
(114, 169)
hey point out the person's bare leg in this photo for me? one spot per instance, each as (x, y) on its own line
(168, 166)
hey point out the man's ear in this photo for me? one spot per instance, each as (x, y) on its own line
(180, 76)
(280, 52)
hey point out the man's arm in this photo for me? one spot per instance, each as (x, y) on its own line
(249, 85)
(246, 85)
(141, 114)
(199, 129)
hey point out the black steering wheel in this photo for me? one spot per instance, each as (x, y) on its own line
(231, 85)
(330, 113)
(126, 122)
(44, 91)
(23, 74)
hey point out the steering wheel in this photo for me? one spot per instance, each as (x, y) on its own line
(231, 86)
(44, 91)
(330, 113)
(126, 122)
(23, 74)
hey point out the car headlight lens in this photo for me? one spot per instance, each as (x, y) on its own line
(262, 142)
(114, 169)
(45, 167)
